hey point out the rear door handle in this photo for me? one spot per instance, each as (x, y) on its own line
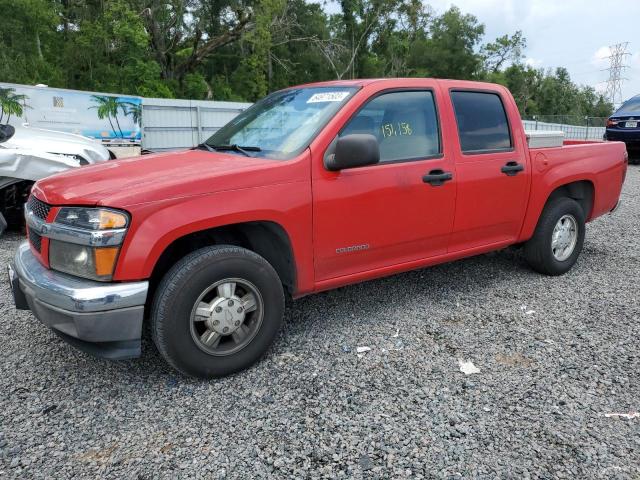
(437, 177)
(512, 168)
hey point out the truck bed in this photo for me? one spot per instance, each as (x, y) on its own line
(598, 163)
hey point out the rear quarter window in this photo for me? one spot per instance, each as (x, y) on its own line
(482, 122)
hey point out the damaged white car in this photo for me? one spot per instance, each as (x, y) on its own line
(29, 154)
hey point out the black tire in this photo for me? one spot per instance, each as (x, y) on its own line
(12, 200)
(181, 287)
(538, 251)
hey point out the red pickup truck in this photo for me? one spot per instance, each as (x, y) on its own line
(312, 188)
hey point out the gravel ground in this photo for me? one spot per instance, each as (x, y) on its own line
(556, 355)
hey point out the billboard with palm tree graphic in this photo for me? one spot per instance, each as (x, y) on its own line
(11, 103)
(114, 119)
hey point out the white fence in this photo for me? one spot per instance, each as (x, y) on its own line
(170, 124)
(571, 132)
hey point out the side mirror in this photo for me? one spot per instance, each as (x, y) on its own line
(355, 150)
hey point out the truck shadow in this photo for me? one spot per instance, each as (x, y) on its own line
(376, 302)
(440, 285)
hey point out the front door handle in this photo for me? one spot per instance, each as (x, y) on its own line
(512, 168)
(437, 177)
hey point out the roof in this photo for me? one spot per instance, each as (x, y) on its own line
(340, 83)
(367, 81)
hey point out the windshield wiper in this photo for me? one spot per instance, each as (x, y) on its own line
(206, 146)
(236, 148)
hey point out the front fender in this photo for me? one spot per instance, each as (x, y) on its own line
(155, 226)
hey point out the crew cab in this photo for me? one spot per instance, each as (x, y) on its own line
(312, 188)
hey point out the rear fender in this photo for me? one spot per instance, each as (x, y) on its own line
(541, 194)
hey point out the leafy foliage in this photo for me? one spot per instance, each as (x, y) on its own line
(244, 49)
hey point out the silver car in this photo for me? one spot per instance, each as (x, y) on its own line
(29, 154)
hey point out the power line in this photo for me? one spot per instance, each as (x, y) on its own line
(617, 55)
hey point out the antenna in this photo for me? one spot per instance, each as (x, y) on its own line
(617, 56)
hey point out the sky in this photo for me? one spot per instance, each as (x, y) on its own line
(574, 34)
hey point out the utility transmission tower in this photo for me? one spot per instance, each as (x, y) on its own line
(617, 56)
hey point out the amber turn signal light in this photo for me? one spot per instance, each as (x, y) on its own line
(105, 260)
(109, 219)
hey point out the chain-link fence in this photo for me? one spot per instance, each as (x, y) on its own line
(575, 127)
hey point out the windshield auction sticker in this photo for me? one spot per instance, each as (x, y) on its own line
(328, 97)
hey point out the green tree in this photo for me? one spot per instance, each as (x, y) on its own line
(524, 84)
(504, 49)
(256, 66)
(243, 49)
(184, 33)
(359, 25)
(29, 41)
(298, 46)
(450, 49)
(109, 52)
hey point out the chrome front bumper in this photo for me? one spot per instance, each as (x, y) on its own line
(104, 319)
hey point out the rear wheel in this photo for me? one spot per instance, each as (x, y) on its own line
(558, 238)
(217, 311)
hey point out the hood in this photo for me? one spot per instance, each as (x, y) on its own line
(150, 178)
(34, 141)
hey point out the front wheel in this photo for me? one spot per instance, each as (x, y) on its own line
(217, 311)
(558, 238)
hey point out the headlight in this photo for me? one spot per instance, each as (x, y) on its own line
(90, 248)
(83, 261)
(92, 218)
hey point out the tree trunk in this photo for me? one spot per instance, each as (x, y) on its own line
(38, 46)
(269, 70)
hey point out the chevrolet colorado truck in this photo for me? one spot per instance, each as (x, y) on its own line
(312, 188)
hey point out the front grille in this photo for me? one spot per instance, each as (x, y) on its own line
(39, 208)
(35, 240)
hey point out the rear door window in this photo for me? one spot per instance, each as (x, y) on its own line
(482, 122)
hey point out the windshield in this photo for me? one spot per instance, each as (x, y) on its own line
(284, 123)
(629, 106)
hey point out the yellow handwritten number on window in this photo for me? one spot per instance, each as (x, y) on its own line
(398, 129)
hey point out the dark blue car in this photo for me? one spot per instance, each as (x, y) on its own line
(624, 126)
